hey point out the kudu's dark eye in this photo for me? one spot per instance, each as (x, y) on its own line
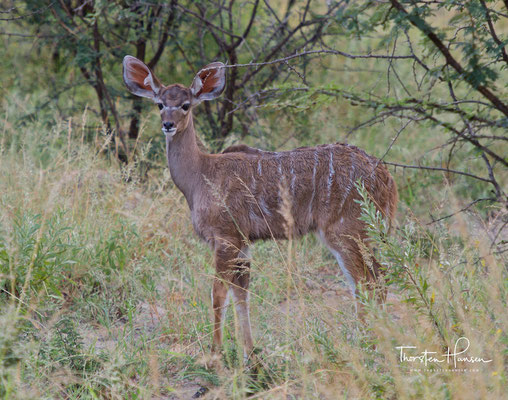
(160, 105)
(185, 106)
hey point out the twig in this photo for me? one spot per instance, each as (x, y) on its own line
(461, 210)
(26, 35)
(494, 239)
(38, 11)
(493, 32)
(213, 26)
(499, 192)
(392, 143)
(452, 171)
(312, 52)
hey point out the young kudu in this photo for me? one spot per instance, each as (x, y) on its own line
(237, 197)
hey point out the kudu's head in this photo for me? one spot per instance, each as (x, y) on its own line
(174, 101)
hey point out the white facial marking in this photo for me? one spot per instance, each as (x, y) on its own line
(260, 172)
(169, 108)
(169, 133)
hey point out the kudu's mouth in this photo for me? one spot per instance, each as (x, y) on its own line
(171, 132)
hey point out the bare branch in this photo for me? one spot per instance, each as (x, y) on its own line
(467, 207)
(247, 30)
(26, 35)
(314, 52)
(169, 22)
(208, 23)
(451, 171)
(38, 11)
(493, 32)
(499, 192)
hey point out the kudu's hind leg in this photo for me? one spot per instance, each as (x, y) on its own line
(344, 242)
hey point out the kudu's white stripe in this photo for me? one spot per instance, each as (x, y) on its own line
(331, 174)
(314, 169)
(279, 164)
(293, 175)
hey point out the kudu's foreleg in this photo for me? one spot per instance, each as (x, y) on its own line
(219, 303)
(232, 273)
(241, 295)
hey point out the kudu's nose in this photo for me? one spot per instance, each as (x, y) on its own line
(168, 125)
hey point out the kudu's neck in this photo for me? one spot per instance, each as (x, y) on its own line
(184, 160)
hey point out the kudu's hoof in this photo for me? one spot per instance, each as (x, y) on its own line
(201, 392)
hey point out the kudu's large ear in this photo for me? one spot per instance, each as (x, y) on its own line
(209, 82)
(139, 79)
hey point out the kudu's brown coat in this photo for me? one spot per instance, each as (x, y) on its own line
(237, 197)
